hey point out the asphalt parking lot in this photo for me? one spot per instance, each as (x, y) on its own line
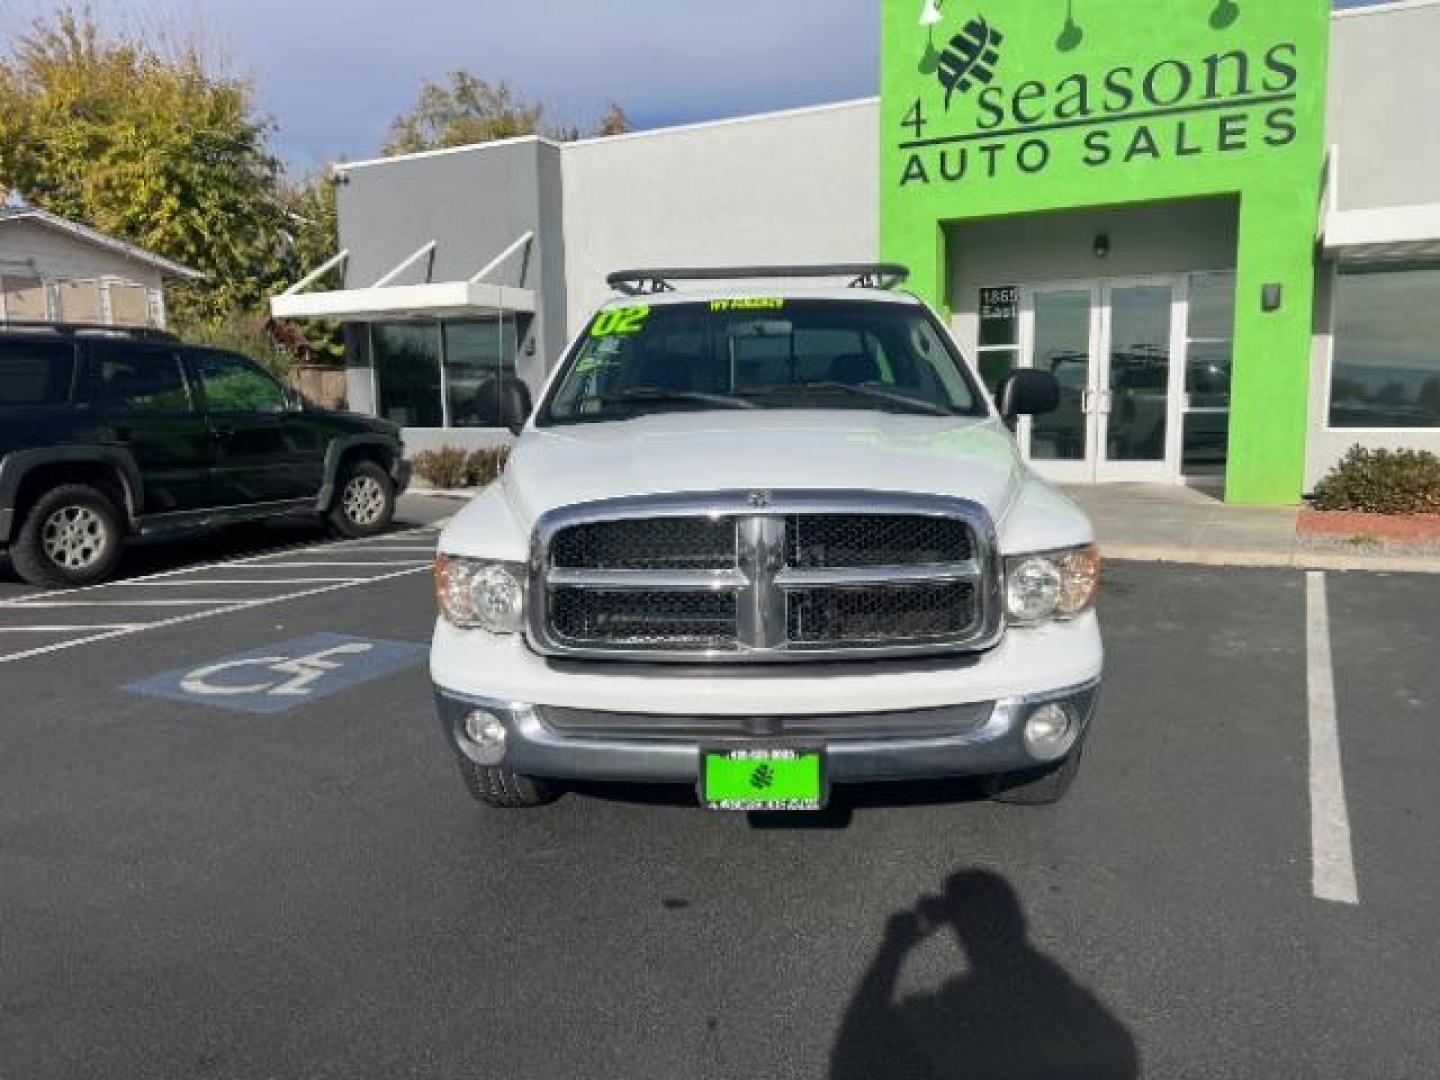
(233, 844)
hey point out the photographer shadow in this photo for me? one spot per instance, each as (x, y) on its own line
(1013, 1013)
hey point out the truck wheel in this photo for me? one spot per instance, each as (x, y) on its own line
(364, 501)
(1037, 787)
(505, 789)
(71, 537)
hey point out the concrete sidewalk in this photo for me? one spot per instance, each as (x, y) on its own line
(1161, 523)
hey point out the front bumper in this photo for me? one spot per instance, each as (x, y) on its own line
(1032, 665)
(534, 748)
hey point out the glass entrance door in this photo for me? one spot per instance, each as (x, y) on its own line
(1113, 346)
(1061, 331)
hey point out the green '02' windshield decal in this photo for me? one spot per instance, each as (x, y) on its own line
(626, 320)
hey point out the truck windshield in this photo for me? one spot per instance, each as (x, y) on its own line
(761, 354)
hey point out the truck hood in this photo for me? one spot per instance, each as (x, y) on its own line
(971, 458)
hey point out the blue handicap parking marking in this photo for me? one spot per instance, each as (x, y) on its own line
(284, 676)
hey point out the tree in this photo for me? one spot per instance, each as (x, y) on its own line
(466, 110)
(614, 122)
(153, 148)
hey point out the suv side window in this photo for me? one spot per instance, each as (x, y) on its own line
(234, 383)
(35, 372)
(136, 379)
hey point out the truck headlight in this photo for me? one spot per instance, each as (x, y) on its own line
(1052, 585)
(473, 593)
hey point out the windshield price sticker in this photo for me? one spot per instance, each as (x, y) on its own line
(751, 303)
(615, 321)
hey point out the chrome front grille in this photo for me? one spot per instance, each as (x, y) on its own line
(872, 540)
(761, 576)
(879, 614)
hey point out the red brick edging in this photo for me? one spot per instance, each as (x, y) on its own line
(1380, 526)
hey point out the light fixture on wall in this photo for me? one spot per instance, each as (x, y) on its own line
(930, 17)
(1102, 245)
(1070, 34)
(1224, 15)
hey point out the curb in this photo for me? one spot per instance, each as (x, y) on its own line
(455, 494)
(1271, 560)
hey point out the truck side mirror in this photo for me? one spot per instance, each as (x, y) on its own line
(1027, 392)
(503, 402)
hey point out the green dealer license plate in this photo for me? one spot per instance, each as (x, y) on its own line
(762, 779)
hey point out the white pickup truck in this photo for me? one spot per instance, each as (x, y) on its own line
(763, 541)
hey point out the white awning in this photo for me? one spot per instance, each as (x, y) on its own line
(439, 300)
(385, 301)
(1385, 234)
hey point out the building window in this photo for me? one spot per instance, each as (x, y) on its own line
(443, 373)
(998, 351)
(1386, 368)
(129, 304)
(25, 299)
(407, 372)
(477, 354)
(80, 302)
(1209, 361)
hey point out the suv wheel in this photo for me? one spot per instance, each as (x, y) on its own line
(70, 537)
(504, 788)
(1037, 787)
(364, 500)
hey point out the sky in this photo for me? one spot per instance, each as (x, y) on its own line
(333, 75)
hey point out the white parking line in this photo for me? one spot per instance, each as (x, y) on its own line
(227, 564)
(1333, 860)
(105, 602)
(183, 583)
(232, 606)
(84, 629)
(403, 549)
(217, 573)
(329, 563)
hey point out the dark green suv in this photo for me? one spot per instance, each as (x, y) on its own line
(107, 434)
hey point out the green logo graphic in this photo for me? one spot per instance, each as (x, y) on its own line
(762, 778)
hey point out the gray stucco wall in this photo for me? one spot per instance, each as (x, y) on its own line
(1155, 238)
(476, 201)
(796, 187)
(1383, 89)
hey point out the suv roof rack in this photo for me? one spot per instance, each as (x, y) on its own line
(145, 333)
(862, 275)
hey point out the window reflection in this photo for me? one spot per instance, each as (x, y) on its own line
(474, 354)
(1386, 372)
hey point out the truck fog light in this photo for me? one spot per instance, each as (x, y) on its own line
(1050, 731)
(486, 733)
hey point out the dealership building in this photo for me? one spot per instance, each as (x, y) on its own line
(1217, 222)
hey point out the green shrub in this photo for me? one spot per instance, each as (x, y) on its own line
(454, 467)
(1383, 482)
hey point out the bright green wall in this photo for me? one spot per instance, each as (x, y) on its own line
(1056, 98)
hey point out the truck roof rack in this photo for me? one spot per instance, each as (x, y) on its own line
(862, 275)
(144, 333)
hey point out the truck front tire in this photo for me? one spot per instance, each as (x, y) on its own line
(72, 536)
(1037, 787)
(504, 788)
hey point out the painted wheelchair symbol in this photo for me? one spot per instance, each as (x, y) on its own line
(289, 676)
